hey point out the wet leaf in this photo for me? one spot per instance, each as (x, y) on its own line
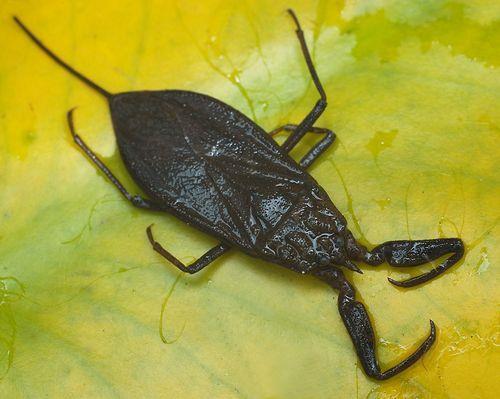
(87, 309)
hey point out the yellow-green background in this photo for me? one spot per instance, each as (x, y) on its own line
(414, 97)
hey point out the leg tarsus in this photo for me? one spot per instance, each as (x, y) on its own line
(307, 56)
(320, 105)
(136, 200)
(424, 347)
(358, 325)
(415, 253)
(207, 258)
(318, 149)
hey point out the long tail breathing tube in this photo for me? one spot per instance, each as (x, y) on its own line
(70, 69)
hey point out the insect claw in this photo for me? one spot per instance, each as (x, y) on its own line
(295, 19)
(415, 253)
(396, 282)
(352, 266)
(149, 233)
(412, 282)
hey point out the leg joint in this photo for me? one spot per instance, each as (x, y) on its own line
(322, 103)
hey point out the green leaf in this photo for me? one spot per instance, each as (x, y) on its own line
(87, 309)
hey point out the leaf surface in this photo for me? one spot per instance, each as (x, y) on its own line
(414, 93)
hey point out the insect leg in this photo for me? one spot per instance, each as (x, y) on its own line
(357, 322)
(415, 253)
(202, 262)
(290, 127)
(136, 200)
(318, 149)
(320, 106)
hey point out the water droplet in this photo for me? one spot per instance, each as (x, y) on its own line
(484, 262)
(383, 202)
(381, 141)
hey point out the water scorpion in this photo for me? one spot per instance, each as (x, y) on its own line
(209, 165)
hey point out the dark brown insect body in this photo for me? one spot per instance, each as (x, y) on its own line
(220, 171)
(214, 168)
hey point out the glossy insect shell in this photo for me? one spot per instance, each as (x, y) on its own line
(214, 168)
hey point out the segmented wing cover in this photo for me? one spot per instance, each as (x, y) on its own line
(209, 163)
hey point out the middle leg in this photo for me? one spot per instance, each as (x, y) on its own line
(318, 149)
(207, 258)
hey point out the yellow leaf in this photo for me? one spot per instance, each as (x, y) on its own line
(87, 309)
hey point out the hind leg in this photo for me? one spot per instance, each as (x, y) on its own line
(359, 327)
(320, 106)
(318, 149)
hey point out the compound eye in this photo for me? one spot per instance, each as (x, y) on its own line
(326, 244)
(338, 243)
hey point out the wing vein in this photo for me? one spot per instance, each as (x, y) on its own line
(229, 206)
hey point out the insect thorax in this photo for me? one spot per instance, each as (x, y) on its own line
(312, 234)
